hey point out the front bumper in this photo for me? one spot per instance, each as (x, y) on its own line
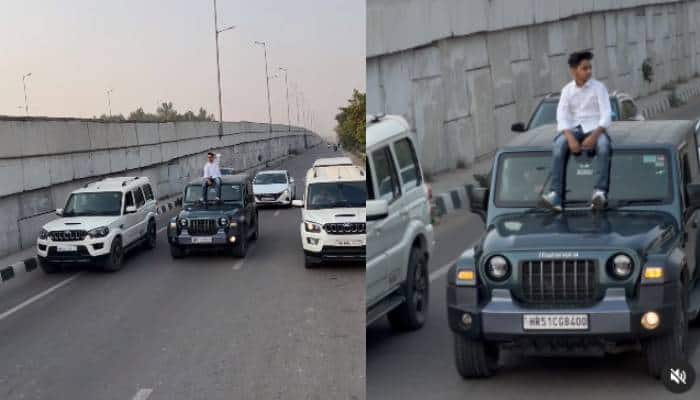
(87, 250)
(614, 317)
(220, 239)
(326, 247)
(273, 199)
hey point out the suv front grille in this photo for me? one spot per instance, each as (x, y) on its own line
(343, 228)
(559, 282)
(67, 236)
(202, 227)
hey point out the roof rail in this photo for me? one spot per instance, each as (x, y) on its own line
(128, 180)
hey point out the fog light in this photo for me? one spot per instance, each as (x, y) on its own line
(232, 239)
(650, 320)
(653, 273)
(466, 277)
(467, 319)
(312, 241)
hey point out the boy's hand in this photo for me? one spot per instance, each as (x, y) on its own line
(574, 145)
(589, 142)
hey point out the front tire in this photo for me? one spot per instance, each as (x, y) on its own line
(115, 258)
(177, 251)
(412, 313)
(662, 350)
(241, 248)
(475, 358)
(151, 236)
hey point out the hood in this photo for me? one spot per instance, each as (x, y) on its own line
(270, 188)
(80, 223)
(211, 210)
(328, 215)
(642, 231)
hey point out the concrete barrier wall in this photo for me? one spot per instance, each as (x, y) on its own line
(42, 161)
(462, 71)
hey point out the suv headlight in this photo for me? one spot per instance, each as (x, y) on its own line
(497, 268)
(312, 227)
(98, 232)
(43, 234)
(620, 266)
(183, 222)
(223, 221)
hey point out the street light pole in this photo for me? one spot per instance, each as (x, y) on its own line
(109, 102)
(24, 84)
(269, 106)
(286, 82)
(217, 31)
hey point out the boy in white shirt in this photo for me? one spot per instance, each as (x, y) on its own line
(583, 116)
(212, 176)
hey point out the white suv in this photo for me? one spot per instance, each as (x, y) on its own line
(400, 232)
(99, 223)
(333, 214)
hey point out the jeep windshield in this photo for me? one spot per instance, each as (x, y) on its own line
(336, 195)
(636, 177)
(229, 193)
(269, 179)
(546, 113)
(98, 203)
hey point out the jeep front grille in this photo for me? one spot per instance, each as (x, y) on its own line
(342, 228)
(67, 236)
(555, 282)
(202, 227)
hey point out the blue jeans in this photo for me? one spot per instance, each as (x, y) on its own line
(205, 187)
(560, 152)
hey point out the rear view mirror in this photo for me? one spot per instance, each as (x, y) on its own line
(298, 203)
(291, 180)
(478, 200)
(482, 179)
(377, 209)
(693, 190)
(130, 209)
(518, 127)
(59, 212)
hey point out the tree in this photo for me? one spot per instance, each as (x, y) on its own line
(164, 113)
(351, 123)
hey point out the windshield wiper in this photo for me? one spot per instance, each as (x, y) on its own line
(633, 202)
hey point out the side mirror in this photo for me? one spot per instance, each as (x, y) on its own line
(59, 212)
(297, 203)
(130, 210)
(291, 180)
(693, 190)
(377, 209)
(483, 179)
(478, 200)
(518, 127)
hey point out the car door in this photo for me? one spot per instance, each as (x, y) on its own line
(414, 207)
(140, 215)
(151, 205)
(128, 220)
(691, 220)
(385, 233)
(249, 206)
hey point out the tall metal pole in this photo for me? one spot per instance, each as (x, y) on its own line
(218, 72)
(269, 105)
(286, 82)
(24, 84)
(109, 102)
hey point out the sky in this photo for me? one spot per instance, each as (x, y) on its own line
(149, 51)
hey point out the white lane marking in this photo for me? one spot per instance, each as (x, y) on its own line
(162, 229)
(277, 212)
(39, 296)
(142, 394)
(442, 270)
(237, 266)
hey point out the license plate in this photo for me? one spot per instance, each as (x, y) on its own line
(555, 322)
(206, 239)
(61, 248)
(268, 198)
(349, 243)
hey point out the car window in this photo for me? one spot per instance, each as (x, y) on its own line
(147, 191)
(385, 173)
(408, 163)
(138, 196)
(370, 184)
(128, 200)
(629, 110)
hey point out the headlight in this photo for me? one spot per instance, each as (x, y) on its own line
(621, 266)
(223, 221)
(99, 232)
(497, 268)
(43, 234)
(312, 227)
(183, 222)
(285, 193)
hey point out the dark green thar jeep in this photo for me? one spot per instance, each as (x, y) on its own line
(582, 282)
(228, 224)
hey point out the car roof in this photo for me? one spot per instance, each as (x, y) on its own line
(335, 173)
(114, 183)
(326, 162)
(238, 178)
(272, 171)
(384, 127)
(622, 133)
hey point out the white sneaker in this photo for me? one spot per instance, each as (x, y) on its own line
(599, 200)
(551, 200)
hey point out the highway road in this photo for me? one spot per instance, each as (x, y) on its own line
(420, 365)
(208, 326)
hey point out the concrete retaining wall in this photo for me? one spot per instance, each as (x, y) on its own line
(462, 71)
(42, 161)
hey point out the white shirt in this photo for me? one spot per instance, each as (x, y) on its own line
(588, 106)
(211, 169)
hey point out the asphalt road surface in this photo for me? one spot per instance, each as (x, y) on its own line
(205, 327)
(420, 365)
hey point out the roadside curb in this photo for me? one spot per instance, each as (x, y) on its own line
(450, 201)
(169, 204)
(20, 267)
